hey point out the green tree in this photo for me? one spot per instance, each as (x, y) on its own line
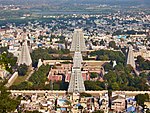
(141, 98)
(7, 103)
(40, 53)
(49, 54)
(108, 67)
(102, 57)
(39, 77)
(22, 69)
(115, 86)
(112, 44)
(143, 64)
(110, 77)
(36, 81)
(92, 85)
(143, 75)
(128, 69)
(22, 86)
(119, 67)
(111, 55)
(140, 59)
(8, 61)
(93, 75)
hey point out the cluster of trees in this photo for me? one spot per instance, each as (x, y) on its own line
(112, 44)
(59, 85)
(22, 69)
(40, 53)
(22, 86)
(39, 77)
(49, 54)
(142, 63)
(141, 98)
(109, 55)
(7, 104)
(7, 60)
(9, 14)
(94, 85)
(36, 81)
(93, 75)
(123, 78)
(120, 78)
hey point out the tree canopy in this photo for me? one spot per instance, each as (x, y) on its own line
(7, 60)
(49, 54)
(120, 78)
(143, 64)
(112, 44)
(7, 104)
(109, 55)
(141, 98)
(36, 81)
(93, 75)
(22, 69)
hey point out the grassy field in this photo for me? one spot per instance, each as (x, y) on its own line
(21, 78)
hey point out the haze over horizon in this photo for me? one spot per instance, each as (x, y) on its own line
(109, 2)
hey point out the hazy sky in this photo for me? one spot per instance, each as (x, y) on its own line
(147, 2)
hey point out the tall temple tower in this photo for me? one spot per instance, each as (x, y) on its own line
(24, 55)
(78, 45)
(76, 81)
(78, 42)
(130, 57)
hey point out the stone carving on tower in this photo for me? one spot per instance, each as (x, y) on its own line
(76, 83)
(130, 57)
(78, 42)
(24, 55)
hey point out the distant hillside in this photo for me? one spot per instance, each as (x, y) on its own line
(114, 2)
(58, 2)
